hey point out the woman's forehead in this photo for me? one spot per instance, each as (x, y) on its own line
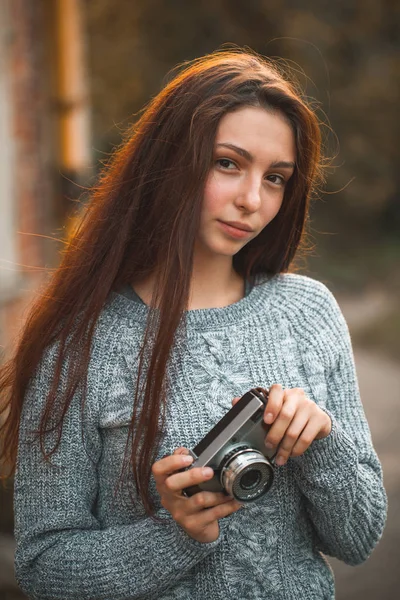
(257, 131)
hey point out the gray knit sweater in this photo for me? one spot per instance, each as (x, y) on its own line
(77, 539)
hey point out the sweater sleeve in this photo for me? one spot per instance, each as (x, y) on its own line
(340, 475)
(62, 551)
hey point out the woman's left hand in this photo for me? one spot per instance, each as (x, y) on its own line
(295, 420)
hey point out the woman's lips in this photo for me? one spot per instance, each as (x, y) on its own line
(234, 231)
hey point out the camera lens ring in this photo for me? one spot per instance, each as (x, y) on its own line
(239, 465)
(250, 479)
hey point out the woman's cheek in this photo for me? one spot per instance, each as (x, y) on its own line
(213, 194)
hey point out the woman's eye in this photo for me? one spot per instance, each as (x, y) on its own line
(277, 179)
(225, 163)
(229, 165)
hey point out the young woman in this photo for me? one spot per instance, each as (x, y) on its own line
(173, 299)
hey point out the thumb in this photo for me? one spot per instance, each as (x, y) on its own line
(236, 399)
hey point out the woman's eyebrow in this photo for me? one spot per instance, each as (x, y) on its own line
(281, 164)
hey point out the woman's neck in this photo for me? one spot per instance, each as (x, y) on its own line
(207, 290)
(216, 292)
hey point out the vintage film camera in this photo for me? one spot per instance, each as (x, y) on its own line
(235, 450)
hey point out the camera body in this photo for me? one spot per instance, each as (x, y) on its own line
(235, 450)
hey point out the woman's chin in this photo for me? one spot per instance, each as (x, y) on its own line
(224, 249)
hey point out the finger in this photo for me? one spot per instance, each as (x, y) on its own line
(181, 450)
(170, 464)
(203, 500)
(179, 481)
(210, 515)
(307, 436)
(282, 422)
(235, 400)
(274, 404)
(291, 437)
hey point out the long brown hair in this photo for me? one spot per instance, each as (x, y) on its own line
(143, 218)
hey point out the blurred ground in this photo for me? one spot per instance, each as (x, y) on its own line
(379, 577)
(379, 378)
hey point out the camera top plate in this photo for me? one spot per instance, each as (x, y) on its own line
(249, 408)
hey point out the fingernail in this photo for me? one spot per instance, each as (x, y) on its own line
(268, 418)
(280, 461)
(269, 445)
(208, 472)
(187, 459)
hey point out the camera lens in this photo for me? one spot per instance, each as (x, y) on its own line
(250, 479)
(247, 474)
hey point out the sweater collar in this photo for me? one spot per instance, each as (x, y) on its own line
(125, 305)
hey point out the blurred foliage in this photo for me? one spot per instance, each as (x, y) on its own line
(345, 55)
(382, 334)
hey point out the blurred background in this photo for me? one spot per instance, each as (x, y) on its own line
(73, 75)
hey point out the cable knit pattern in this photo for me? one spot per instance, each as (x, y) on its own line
(217, 359)
(77, 539)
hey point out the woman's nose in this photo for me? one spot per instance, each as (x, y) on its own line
(249, 196)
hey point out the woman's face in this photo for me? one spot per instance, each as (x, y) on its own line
(254, 157)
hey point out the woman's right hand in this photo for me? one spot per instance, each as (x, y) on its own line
(199, 514)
